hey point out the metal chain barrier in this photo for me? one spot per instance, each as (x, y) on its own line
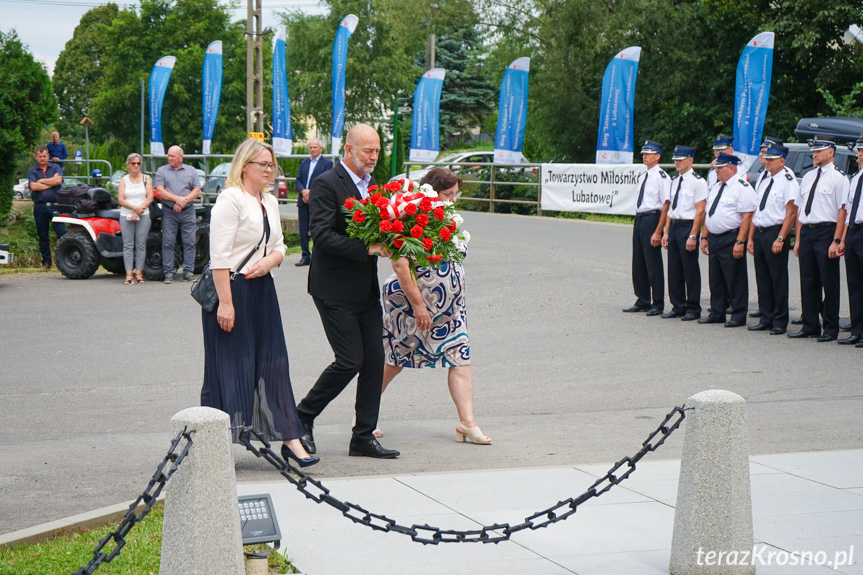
(160, 477)
(426, 534)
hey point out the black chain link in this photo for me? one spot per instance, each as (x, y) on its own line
(426, 534)
(151, 493)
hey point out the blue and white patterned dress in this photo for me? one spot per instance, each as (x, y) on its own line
(446, 343)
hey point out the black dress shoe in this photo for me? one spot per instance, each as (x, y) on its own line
(301, 461)
(756, 313)
(370, 448)
(303, 262)
(826, 337)
(654, 311)
(777, 331)
(308, 438)
(758, 327)
(671, 314)
(734, 323)
(854, 339)
(797, 320)
(635, 309)
(710, 319)
(801, 334)
(690, 317)
(859, 344)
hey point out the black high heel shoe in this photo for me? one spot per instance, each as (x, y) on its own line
(302, 462)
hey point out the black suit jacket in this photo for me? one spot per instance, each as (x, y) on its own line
(342, 269)
(322, 166)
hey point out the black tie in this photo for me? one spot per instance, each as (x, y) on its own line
(716, 201)
(641, 192)
(856, 201)
(764, 197)
(812, 193)
(677, 193)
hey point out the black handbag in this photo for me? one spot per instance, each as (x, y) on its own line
(204, 288)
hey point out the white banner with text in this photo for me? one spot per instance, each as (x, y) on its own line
(593, 188)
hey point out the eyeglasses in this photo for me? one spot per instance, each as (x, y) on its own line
(265, 165)
(134, 163)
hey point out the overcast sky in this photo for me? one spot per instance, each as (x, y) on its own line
(46, 25)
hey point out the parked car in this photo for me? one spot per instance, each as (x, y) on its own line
(21, 190)
(457, 158)
(217, 181)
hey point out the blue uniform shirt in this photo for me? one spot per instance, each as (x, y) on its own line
(57, 150)
(35, 174)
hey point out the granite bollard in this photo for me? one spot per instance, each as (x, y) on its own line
(201, 530)
(713, 517)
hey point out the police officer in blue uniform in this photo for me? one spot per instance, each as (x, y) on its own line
(820, 225)
(730, 206)
(651, 208)
(852, 247)
(776, 192)
(685, 217)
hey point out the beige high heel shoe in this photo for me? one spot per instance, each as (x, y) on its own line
(473, 433)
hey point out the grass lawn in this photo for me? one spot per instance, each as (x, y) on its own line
(69, 552)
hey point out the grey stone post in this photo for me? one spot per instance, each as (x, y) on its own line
(201, 530)
(714, 504)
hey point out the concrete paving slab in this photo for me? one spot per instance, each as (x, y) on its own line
(843, 470)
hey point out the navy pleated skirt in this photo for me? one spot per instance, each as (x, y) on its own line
(246, 371)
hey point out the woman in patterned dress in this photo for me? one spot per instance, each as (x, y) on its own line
(425, 324)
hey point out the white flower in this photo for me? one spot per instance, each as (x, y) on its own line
(457, 219)
(428, 191)
(466, 235)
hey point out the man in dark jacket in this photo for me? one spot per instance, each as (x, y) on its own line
(310, 169)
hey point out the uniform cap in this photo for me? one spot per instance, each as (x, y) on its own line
(722, 142)
(726, 159)
(651, 147)
(683, 152)
(822, 143)
(776, 151)
(770, 141)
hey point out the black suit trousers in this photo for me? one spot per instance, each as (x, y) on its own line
(854, 271)
(354, 332)
(771, 277)
(303, 216)
(819, 274)
(647, 273)
(729, 280)
(684, 272)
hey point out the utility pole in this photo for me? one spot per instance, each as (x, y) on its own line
(254, 68)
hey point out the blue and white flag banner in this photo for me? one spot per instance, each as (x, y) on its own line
(340, 58)
(159, 76)
(754, 72)
(425, 129)
(614, 143)
(282, 133)
(512, 112)
(211, 85)
(591, 188)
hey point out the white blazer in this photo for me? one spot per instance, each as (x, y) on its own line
(236, 227)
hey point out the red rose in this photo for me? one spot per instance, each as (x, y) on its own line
(382, 202)
(425, 204)
(359, 216)
(392, 187)
(397, 226)
(445, 234)
(423, 219)
(427, 242)
(452, 228)
(417, 232)
(349, 203)
(410, 209)
(436, 258)
(439, 214)
(399, 241)
(385, 225)
(374, 198)
(365, 201)
(373, 188)
(382, 210)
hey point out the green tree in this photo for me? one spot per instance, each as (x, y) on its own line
(26, 104)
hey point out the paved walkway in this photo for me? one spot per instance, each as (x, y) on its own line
(802, 502)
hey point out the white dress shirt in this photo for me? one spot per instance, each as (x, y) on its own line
(362, 184)
(236, 227)
(830, 195)
(852, 189)
(737, 198)
(656, 191)
(713, 180)
(693, 189)
(784, 189)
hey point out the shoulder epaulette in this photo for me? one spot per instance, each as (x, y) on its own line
(662, 173)
(697, 177)
(744, 182)
(789, 176)
(840, 171)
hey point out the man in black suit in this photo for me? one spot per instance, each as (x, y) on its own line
(310, 169)
(343, 280)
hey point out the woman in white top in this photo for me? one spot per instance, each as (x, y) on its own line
(245, 356)
(134, 194)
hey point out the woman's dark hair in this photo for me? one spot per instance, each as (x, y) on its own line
(441, 179)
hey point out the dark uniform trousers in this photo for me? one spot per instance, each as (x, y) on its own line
(771, 276)
(854, 271)
(647, 269)
(819, 273)
(729, 279)
(684, 273)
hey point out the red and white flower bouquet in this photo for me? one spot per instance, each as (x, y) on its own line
(410, 221)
